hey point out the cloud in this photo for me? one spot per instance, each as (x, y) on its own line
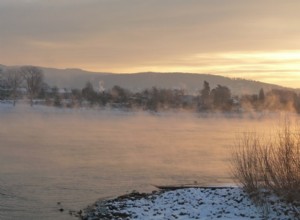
(118, 35)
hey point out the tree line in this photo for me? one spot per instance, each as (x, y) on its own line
(28, 82)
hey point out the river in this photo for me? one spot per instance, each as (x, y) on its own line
(74, 157)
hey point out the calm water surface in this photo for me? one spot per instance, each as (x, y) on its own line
(76, 157)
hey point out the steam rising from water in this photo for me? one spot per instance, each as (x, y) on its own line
(76, 156)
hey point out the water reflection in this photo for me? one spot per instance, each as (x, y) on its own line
(76, 157)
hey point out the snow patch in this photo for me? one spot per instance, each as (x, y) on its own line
(190, 203)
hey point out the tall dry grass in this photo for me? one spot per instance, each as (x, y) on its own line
(269, 163)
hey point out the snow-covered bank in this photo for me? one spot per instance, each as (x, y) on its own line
(190, 203)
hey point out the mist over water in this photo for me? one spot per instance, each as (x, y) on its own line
(49, 155)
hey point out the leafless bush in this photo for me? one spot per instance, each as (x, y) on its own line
(273, 165)
(282, 163)
(247, 162)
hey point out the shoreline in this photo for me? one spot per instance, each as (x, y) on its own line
(189, 203)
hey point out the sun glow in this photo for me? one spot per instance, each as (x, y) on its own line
(279, 67)
(279, 56)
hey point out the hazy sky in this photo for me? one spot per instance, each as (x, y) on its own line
(257, 39)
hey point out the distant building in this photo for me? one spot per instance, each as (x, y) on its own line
(101, 86)
(64, 91)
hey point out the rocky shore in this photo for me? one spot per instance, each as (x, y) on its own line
(191, 203)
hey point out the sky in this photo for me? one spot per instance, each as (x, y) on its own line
(257, 39)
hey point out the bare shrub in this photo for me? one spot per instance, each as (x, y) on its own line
(282, 163)
(273, 164)
(246, 162)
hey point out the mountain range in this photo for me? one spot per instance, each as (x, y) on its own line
(191, 82)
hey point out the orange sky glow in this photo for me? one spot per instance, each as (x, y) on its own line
(256, 40)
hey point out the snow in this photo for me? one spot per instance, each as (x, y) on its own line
(190, 203)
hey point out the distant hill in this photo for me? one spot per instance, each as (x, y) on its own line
(188, 81)
(191, 82)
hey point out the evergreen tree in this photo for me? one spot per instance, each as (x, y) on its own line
(205, 99)
(221, 97)
(261, 95)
